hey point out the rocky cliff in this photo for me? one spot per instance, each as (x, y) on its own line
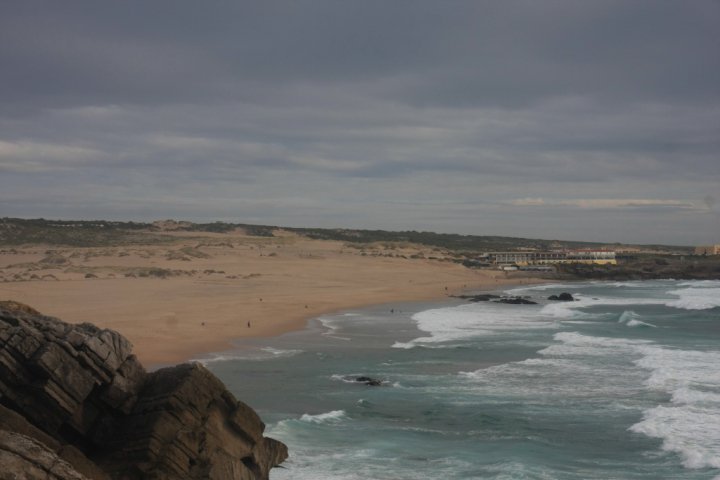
(75, 403)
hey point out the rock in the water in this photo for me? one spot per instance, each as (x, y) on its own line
(563, 297)
(482, 297)
(516, 301)
(373, 382)
(80, 393)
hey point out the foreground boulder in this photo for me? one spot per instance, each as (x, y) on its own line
(21, 455)
(76, 392)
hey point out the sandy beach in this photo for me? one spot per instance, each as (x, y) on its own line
(196, 294)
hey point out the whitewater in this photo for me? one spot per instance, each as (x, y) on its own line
(623, 383)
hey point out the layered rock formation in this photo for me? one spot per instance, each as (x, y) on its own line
(75, 403)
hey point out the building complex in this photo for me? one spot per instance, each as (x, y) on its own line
(546, 258)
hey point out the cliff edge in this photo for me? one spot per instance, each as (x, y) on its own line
(75, 403)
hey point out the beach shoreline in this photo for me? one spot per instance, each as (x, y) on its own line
(294, 324)
(196, 296)
(162, 337)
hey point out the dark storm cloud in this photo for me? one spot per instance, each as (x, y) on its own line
(403, 114)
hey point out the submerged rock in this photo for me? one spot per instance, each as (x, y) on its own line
(78, 392)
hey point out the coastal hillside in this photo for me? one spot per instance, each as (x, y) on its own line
(16, 231)
(76, 404)
(202, 286)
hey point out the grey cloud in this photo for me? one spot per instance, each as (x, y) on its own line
(422, 115)
(461, 53)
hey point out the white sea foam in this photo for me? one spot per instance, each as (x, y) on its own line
(472, 321)
(579, 322)
(691, 425)
(329, 323)
(452, 324)
(332, 327)
(335, 416)
(631, 319)
(309, 464)
(265, 353)
(638, 323)
(686, 395)
(364, 464)
(421, 342)
(576, 344)
(700, 283)
(546, 380)
(627, 315)
(631, 284)
(570, 309)
(695, 298)
(691, 431)
(673, 368)
(561, 310)
(278, 352)
(218, 357)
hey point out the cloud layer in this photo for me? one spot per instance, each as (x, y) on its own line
(558, 119)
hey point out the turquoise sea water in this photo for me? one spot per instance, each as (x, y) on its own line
(622, 384)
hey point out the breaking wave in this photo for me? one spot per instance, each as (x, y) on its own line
(334, 416)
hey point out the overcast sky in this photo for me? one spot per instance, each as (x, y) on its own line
(578, 120)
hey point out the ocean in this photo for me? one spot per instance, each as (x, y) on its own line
(623, 383)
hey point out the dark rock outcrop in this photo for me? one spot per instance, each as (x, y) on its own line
(373, 382)
(516, 301)
(77, 393)
(563, 297)
(487, 297)
(482, 297)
